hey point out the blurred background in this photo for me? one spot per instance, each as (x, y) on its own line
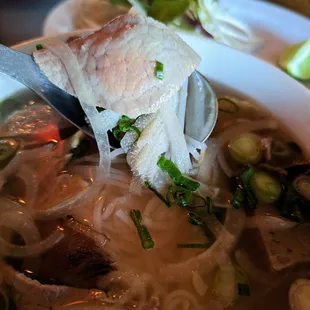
(22, 19)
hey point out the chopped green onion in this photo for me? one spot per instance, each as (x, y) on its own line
(250, 197)
(266, 188)
(193, 245)
(148, 185)
(39, 47)
(100, 109)
(179, 195)
(302, 186)
(209, 203)
(227, 105)
(194, 219)
(239, 198)
(176, 175)
(280, 149)
(159, 70)
(295, 147)
(145, 237)
(246, 149)
(8, 149)
(125, 124)
(243, 289)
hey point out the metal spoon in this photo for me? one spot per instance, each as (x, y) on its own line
(201, 108)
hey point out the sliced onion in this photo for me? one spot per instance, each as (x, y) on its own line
(8, 249)
(236, 130)
(180, 299)
(97, 214)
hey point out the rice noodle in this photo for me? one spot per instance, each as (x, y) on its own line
(100, 122)
(97, 214)
(177, 144)
(207, 161)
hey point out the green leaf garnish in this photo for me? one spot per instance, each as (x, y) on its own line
(239, 198)
(243, 289)
(193, 245)
(145, 237)
(168, 10)
(176, 176)
(246, 178)
(100, 109)
(159, 70)
(39, 47)
(125, 124)
(148, 185)
(179, 196)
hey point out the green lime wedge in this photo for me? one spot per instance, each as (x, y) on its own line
(296, 60)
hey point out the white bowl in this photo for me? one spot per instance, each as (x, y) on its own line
(286, 98)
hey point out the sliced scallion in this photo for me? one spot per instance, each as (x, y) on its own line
(280, 149)
(145, 237)
(125, 124)
(227, 105)
(149, 186)
(239, 198)
(159, 70)
(100, 109)
(193, 245)
(39, 47)
(302, 186)
(179, 196)
(249, 195)
(176, 176)
(266, 188)
(246, 149)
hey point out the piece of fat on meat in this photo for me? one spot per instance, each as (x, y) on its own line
(118, 63)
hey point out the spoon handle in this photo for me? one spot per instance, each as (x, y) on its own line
(23, 68)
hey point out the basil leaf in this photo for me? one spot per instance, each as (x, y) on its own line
(168, 10)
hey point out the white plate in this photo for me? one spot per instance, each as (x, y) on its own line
(276, 26)
(283, 96)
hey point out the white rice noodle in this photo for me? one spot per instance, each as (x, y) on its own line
(97, 214)
(27, 175)
(177, 143)
(100, 122)
(180, 299)
(68, 206)
(117, 152)
(207, 161)
(181, 108)
(224, 164)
